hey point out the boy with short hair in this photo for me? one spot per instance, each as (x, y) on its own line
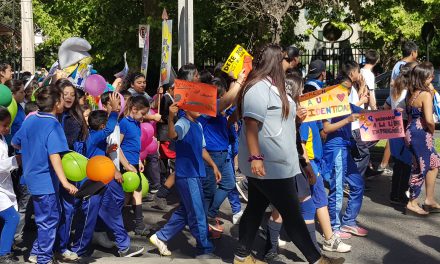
(102, 125)
(41, 140)
(190, 153)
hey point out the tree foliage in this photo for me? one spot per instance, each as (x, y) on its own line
(111, 26)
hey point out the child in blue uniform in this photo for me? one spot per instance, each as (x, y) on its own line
(312, 145)
(190, 153)
(341, 166)
(138, 108)
(101, 125)
(41, 139)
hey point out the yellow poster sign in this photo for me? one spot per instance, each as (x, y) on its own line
(236, 61)
(165, 63)
(326, 103)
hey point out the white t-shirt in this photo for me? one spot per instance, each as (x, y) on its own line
(7, 164)
(353, 98)
(369, 78)
(115, 138)
(399, 103)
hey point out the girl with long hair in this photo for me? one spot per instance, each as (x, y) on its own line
(76, 131)
(401, 154)
(268, 156)
(420, 137)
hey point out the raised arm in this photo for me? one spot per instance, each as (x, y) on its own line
(230, 96)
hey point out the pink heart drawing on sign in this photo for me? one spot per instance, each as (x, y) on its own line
(341, 97)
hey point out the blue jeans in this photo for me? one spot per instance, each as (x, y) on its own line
(11, 218)
(214, 197)
(343, 170)
(47, 216)
(234, 196)
(190, 212)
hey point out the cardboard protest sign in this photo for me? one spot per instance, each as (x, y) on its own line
(236, 62)
(381, 125)
(198, 97)
(326, 103)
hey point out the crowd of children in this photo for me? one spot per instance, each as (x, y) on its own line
(287, 162)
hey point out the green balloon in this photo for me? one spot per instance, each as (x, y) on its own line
(131, 181)
(5, 95)
(12, 108)
(74, 166)
(145, 185)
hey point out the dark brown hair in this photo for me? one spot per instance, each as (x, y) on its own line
(294, 85)
(268, 64)
(14, 85)
(419, 75)
(403, 81)
(75, 111)
(47, 97)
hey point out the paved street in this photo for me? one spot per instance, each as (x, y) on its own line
(393, 237)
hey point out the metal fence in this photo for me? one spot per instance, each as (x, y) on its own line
(333, 57)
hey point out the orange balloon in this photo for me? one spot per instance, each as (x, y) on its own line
(100, 168)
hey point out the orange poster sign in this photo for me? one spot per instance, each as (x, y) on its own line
(198, 97)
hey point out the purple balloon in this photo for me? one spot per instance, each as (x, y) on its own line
(95, 85)
(147, 133)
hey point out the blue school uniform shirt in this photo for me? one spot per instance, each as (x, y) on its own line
(131, 145)
(40, 136)
(18, 121)
(215, 130)
(310, 135)
(97, 140)
(341, 137)
(189, 148)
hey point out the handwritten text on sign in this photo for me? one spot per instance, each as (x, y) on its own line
(198, 97)
(326, 103)
(381, 125)
(236, 62)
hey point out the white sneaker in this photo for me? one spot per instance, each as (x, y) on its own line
(68, 256)
(102, 239)
(161, 246)
(32, 259)
(335, 244)
(236, 217)
(281, 243)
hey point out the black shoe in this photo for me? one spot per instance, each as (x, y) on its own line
(148, 198)
(397, 201)
(160, 202)
(242, 189)
(7, 259)
(372, 174)
(273, 257)
(132, 251)
(142, 231)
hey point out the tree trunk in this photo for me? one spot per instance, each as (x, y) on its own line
(277, 31)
